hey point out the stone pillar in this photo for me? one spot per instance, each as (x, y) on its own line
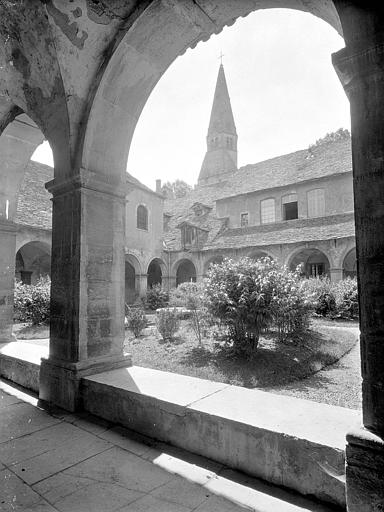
(143, 284)
(336, 274)
(7, 278)
(362, 75)
(172, 282)
(87, 296)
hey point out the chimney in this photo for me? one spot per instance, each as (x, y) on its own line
(158, 186)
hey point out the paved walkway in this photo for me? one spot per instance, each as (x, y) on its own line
(338, 384)
(56, 461)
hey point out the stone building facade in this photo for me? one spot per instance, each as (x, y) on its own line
(295, 208)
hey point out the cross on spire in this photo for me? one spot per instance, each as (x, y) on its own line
(221, 57)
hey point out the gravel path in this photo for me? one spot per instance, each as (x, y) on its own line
(339, 384)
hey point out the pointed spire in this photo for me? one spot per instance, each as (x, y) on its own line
(221, 156)
(221, 114)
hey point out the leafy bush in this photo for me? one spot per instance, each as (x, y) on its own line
(136, 320)
(156, 298)
(292, 304)
(347, 300)
(32, 302)
(323, 293)
(191, 297)
(167, 323)
(250, 296)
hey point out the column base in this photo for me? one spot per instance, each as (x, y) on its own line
(365, 472)
(60, 382)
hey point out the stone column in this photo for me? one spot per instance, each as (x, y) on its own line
(336, 274)
(87, 296)
(143, 284)
(7, 278)
(362, 75)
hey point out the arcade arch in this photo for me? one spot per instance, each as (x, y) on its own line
(33, 260)
(132, 278)
(257, 255)
(156, 272)
(185, 272)
(312, 262)
(139, 60)
(350, 264)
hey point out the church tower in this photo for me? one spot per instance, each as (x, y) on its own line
(220, 160)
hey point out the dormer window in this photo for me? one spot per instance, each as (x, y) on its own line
(188, 236)
(142, 217)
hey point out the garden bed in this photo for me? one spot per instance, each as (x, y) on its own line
(275, 363)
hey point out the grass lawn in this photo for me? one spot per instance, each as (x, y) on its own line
(276, 363)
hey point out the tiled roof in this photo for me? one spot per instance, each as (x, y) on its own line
(321, 161)
(288, 232)
(34, 207)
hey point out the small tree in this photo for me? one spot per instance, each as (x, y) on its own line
(176, 189)
(136, 320)
(239, 293)
(191, 297)
(156, 297)
(167, 323)
(292, 304)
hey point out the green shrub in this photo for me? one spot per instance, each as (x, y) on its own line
(323, 293)
(191, 297)
(167, 323)
(292, 304)
(32, 302)
(250, 296)
(136, 320)
(347, 299)
(156, 298)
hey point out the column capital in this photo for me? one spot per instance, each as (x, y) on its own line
(356, 68)
(88, 180)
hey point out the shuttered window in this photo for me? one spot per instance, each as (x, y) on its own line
(268, 211)
(316, 202)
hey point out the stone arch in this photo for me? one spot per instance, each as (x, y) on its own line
(18, 142)
(156, 272)
(185, 271)
(132, 278)
(314, 262)
(350, 263)
(257, 254)
(143, 55)
(33, 260)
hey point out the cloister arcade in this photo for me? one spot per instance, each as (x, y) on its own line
(84, 85)
(33, 260)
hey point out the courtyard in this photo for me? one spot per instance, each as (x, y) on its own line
(79, 75)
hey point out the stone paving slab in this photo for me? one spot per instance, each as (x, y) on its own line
(16, 496)
(79, 463)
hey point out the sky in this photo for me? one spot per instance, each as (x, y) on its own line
(285, 95)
